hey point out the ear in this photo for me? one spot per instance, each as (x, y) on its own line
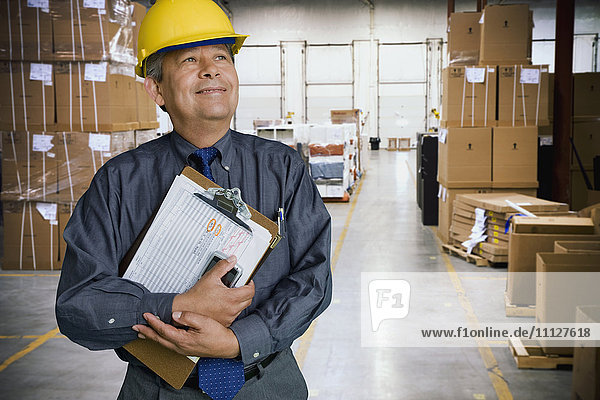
(153, 89)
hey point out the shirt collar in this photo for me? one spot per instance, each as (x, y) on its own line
(183, 148)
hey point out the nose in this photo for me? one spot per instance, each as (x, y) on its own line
(208, 70)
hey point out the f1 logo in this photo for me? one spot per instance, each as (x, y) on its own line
(388, 299)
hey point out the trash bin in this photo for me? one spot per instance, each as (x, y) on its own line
(374, 143)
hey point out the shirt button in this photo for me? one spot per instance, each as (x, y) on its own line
(111, 321)
(255, 355)
(226, 168)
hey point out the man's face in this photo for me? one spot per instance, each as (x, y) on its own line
(200, 84)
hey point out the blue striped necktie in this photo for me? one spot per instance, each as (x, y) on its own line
(220, 378)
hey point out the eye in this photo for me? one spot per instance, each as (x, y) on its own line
(191, 59)
(220, 58)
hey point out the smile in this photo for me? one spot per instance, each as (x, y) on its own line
(211, 90)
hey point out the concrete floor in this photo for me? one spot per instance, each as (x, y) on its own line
(379, 231)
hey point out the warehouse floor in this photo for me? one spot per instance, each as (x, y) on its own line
(378, 231)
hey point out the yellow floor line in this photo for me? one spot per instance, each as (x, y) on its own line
(410, 172)
(306, 338)
(494, 373)
(30, 347)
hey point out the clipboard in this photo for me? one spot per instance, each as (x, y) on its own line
(173, 367)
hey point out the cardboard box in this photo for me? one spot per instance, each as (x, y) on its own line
(514, 156)
(65, 210)
(465, 157)
(586, 94)
(80, 155)
(146, 108)
(25, 33)
(138, 12)
(345, 116)
(506, 34)
(522, 95)
(579, 190)
(522, 249)
(496, 202)
(97, 97)
(469, 96)
(463, 38)
(84, 33)
(446, 199)
(29, 167)
(586, 136)
(576, 247)
(542, 225)
(145, 136)
(33, 240)
(27, 101)
(586, 359)
(563, 282)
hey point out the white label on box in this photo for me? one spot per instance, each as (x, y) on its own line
(42, 142)
(530, 76)
(491, 69)
(47, 83)
(102, 11)
(94, 3)
(39, 4)
(47, 210)
(54, 222)
(475, 75)
(51, 154)
(444, 195)
(95, 72)
(440, 191)
(41, 72)
(442, 136)
(107, 155)
(99, 142)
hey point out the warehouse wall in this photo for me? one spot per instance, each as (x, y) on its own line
(396, 105)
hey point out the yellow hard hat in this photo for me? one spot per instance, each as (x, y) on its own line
(176, 24)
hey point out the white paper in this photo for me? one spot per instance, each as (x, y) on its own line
(524, 204)
(475, 75)
(442, 136)
(491, 69)
(44, 4)
(54, 222)
(47, 210)
(42, 142)
(440, 191)
(531, 76)
(444, 195)
(51, 154)
(99, 142)
(482, 17)
(94, 3)
(102, 11)
(178, 245)
(95, 72)
(40, 72)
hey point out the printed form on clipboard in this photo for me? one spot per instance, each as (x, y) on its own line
(186, 232)
(196, 219)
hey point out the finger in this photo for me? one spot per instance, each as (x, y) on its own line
(242, 293)
(148, 333)
(223, 266)
(165, 330)
(190, 319)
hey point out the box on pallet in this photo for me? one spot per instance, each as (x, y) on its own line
(25, 31)
(523, 246)
(80, 155)
(522, 95)
(468, 96)
(33, 241)
(586, 359)
(465, 157)
(29, 166)
(84, 32)
(506, 34)
(95, 97)
(463, 38)
(563, 282)
(514, 156)
(27, 101)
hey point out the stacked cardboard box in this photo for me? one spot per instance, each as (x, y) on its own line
(355, 143)
(492, 104)
(70, 104)
(481, 221)
(586, 359)
(529, 236)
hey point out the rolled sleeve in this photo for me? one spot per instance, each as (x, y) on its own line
(254, 338)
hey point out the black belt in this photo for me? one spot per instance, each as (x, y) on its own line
(249, 372)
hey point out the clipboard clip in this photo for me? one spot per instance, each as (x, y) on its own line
(229, 200)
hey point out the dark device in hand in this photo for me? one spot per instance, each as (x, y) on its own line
(231, 277)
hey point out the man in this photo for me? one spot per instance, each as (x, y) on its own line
(185, 53)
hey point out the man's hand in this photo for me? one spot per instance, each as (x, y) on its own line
(204, 337)
(211, 298)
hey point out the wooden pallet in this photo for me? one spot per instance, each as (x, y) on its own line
(472, 258)
(534, 357)
(518, 310)
(344, 199)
